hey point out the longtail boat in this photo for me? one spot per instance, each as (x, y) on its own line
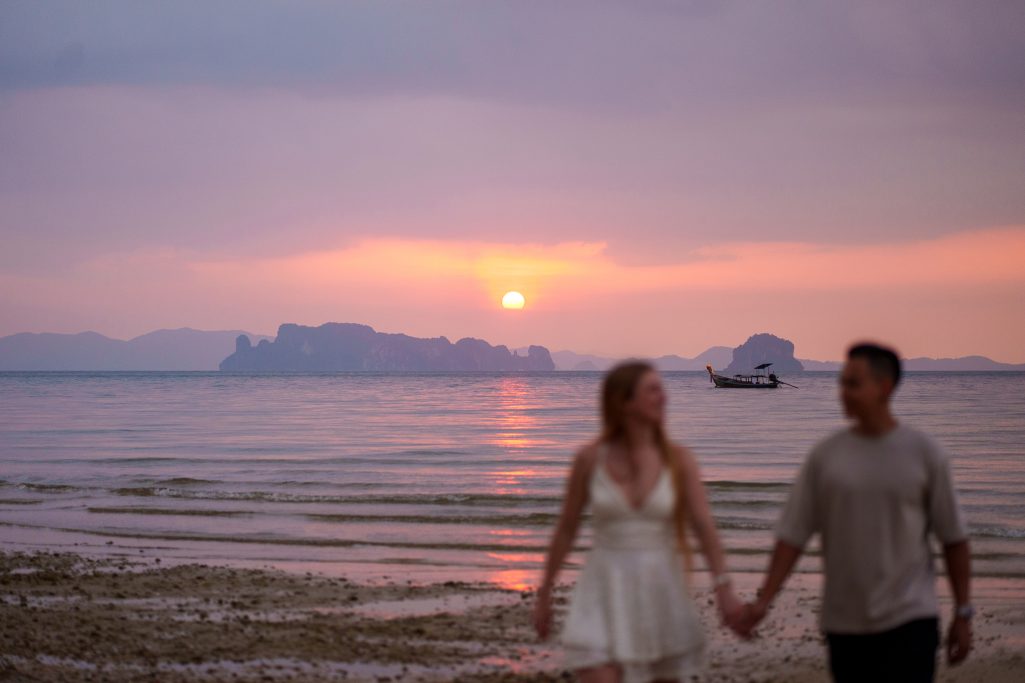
(756, 380)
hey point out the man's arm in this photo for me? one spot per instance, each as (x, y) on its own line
(797, 524)
(947, 521)
(784, 557)
(959, 572)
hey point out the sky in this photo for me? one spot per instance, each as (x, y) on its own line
(654, 177)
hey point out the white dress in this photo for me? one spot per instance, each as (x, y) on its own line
(630, 605)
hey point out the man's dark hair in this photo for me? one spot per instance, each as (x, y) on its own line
(882, 360)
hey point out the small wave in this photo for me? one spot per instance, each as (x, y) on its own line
(20, 501)
(432, 451)
(49, 488)
(139, 460)
(727, 485)
(744, 525)
(990, 556)
(469, 499)
(184, 481)
(167, 511)
(537, 519)
(768, 504)
(365, 485)
(301, 542)
(995, 532)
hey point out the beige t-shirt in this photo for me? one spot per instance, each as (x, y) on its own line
(875, 500)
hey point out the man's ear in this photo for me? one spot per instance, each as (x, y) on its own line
(888, 385)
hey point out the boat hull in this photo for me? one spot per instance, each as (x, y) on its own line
(742, 382)
(729, 383)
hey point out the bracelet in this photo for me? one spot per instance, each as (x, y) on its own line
(720, 580)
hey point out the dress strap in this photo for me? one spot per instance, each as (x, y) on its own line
(599, 461)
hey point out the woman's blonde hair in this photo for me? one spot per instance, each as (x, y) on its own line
(617, 390)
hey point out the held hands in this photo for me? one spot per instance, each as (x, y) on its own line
(731, 609)
(742, 619)
(751, 615)
(739, 617)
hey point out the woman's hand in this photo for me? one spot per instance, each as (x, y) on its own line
(731, 609)
(542, 615)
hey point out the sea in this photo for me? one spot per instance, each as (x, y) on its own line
(435, 476)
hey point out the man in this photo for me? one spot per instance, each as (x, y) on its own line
(875, 492)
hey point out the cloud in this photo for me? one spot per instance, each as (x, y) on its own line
(616, 56)
(91, 170)
(974, 258)
(570, 275)
(579, 295)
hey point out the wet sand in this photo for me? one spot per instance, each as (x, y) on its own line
(65, 617)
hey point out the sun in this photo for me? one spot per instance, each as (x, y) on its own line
(513, 300)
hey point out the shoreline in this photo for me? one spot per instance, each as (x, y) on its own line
(69, 617)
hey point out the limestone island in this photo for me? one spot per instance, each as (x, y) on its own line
(764, 348)
(334, 347)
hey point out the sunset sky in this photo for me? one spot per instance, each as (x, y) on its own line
(654, 177)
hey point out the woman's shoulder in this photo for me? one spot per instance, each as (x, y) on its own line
(588, 453)
(586, 456)
(682, 455)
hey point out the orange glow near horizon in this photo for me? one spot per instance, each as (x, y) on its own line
(433, 287)
(582, 270)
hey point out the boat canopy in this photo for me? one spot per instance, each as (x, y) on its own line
(762, 366)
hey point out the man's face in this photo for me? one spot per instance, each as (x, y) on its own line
(861, 391)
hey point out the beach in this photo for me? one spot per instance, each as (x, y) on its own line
(69, 617)
(209, 527)
(333, 334)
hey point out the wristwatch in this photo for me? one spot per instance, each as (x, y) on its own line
(965, 611)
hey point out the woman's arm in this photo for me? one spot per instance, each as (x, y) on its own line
(701, 521)
(565, 533)
(700, 514)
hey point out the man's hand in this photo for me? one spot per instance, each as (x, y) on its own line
(751, 615)
(959, 640)
(959, 569)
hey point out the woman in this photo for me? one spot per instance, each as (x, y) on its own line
(631, 618)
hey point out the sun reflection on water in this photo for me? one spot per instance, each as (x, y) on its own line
(515, 579)
(512, 418)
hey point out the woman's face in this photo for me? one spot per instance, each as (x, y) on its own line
(649, 400)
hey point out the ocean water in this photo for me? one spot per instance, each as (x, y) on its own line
(430, 477)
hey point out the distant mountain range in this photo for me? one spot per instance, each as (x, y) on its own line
(764, 348)
(759, 348)
(922, 364)
(182, 349)
(188, 349)
(717, 356)
(348, 346)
